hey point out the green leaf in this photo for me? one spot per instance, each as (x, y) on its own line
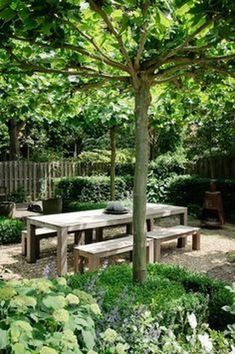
(18, 348)
(7, 14)
(4, 340)
(89, 339)
(185, 8)
(54, 302)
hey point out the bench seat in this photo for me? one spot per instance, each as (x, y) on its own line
(161, 234)
(42, 233)
(95, 251)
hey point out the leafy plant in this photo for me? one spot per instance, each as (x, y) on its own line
(10, 230)
(46, 317)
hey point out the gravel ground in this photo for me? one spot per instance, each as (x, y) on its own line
(216, 257)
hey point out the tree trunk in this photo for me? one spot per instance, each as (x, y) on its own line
(13, 130)
(113, 160)
(142, 103)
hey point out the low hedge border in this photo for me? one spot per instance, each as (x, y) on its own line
(167, 289)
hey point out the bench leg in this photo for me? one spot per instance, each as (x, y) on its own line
(150, 252)
(99, 234)
(31, 238)
(78, 262)
(181, 242)
(23, 245)
(157, 250)
(196, 241)
(93, 262)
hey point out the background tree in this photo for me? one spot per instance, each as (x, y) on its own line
(132, 43)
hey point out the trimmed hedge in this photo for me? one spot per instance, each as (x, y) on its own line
(185, 190)
(89, 189)
(10, 230)
(169, 289)
(76, 206)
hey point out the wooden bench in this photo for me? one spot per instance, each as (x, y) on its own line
(161, 235)
(43, 233)
(95, 251)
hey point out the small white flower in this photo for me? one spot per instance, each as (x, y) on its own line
(233, 350)
(110, 335)
(95, 309)
(206, 342)
(192, 320)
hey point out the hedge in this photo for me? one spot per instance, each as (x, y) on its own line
(90, 189)
(185, 190)
(10, 230)
(168, 289)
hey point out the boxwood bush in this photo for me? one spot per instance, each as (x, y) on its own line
(170, 290)
(89, 189)
(10, 230)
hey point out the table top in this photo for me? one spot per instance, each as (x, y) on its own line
(82, 220)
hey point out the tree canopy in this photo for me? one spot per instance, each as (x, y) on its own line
(134, 43)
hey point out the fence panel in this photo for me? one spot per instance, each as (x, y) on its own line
(36, 179)
(223, 167)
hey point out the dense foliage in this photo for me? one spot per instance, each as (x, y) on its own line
(159, 315)
(189, 190)
(89, 189)
(10, 230)
(41, 316)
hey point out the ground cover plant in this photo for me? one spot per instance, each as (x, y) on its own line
(10, 230)
(164, 307)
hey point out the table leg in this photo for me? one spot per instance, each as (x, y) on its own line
(181, 242)
(31, 240)
(150, 224)
(88, 236)
(62, 238)
(129, 229)
(99, 234)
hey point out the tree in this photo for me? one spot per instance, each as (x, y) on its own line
(127, 43)
(111, 111)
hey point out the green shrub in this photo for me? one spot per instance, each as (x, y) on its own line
(186, 189)
(10, 230)
(89, 189)
(123, 156)
(76, 206)
(170, 290)
(19, 196)
(161, 172)
(41, 316)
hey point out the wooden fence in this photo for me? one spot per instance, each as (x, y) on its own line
(223, 167)
(35, 179)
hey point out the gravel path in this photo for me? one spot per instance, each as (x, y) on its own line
(216, 257)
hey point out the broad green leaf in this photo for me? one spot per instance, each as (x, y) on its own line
(54, 302)
(4, 340)
(7, 14)
(185, 8)
(89, 339)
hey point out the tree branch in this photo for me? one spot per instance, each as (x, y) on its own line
(112, 30)
(143, 36)
(68, 46)
(104, 57)
(79, 72)
(156, 62)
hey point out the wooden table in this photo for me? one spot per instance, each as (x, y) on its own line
(89, 220)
